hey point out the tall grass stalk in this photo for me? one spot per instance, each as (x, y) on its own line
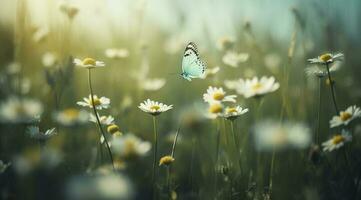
(217, 159)
(169, 167)
(332, 87)
(318, 111)
(154, 173)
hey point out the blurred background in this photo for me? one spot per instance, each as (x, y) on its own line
(142, 44)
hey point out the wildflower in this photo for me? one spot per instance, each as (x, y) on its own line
(319, 71)
(40, 34)
(13, 68)
(166, 160)
(345, 117)
(215, 110)
(49, 59)
(233, 59)
(3, 166)
(99, 103)
(116, 53)
(232, 113)
(130, 146)
(35, 133)
(273, 135)
(15, 110)
(257, 87)
(326, 58)
(337, 141)
(152, 84)
(217, 95)
(231, 84)
(71, 117)
(153, 107)
(272, 61)
(210, 72)
(113, 129)
(105, 120)
(225, 43)
(70, 10)
(88, 63)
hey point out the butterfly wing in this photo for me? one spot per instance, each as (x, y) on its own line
(191, 63)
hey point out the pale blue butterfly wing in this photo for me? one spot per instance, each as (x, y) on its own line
(192, 65)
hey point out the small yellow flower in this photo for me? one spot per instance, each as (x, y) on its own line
(113, 129)
(326, 58)
(345, 116)
(166, 160)
(88, 63)
(337, 141)
(215, 108)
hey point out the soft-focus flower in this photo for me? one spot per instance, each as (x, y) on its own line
(274, 135)
(15, 110)
(88, 63)
(210, 72)
(68, 9)
(114, 129)
(225, 43)
(40, 34)
(320, 71)
(257, 87)
(13, 68)
(113, 186)
(233, 59)
(3, 166)
(49, 59)
(232, 113)
(166, 160)
(272, 61)
(130, 146)
(217, 95)
(71, 117)
(116, 53)
(99, 103)
(231, 84)
(174, 44)
(326, 58)
(105, 120)
(215, 109)
(337, 141)
(154, 107)
(34, 132)
(345, 117)
(152, 84)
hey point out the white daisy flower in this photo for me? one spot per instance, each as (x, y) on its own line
(337, 141)
(210, 72)
(105, 120)
(35, 133)
(88, 63)
(215, 110)
(15, 110)
(326, 58)
(225, 43)
(231, 84)
(130, 146)
(49, 59)
(71, 117)
(319, 71)
(346, 116)
(153, 107)
(272, 135)
(233, 59)
(152, 84)
(3, 166)
(99, 103)
(257, 87)
(232, 113)
(116, 53)
(217, 95)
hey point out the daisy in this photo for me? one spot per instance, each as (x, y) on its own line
(257, 87)
(130, 146)
(49, 59)
(233, 59)
(346, 116)
(232, 113)
(99, 103)
(15, 110)
(105, 120)
(215, 110)
(166, 160)
(231, 84)
(35, 133)
(116, 53)
(210, 72)
(326, 58)
(319, 71)
(152, 84)
(337, 141)
(114, 130)
(154, 107)
(88, 63)
(217, 95)
(71, 117)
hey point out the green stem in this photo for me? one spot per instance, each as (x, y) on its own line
(154, 175)
(318, 111)
(271, 171)
(238, 155)
(217, 158)
(97, 118)
(332, 88)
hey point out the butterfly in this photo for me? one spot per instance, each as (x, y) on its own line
(192, 65)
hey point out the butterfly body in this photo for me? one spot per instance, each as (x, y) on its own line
(192, 65)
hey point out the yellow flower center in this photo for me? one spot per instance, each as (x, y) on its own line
(129, 148)
(96, 101)
(113, 128)
(155, 107)
(337, 139)
(166, 160)
(345, 116)
(326, 57)
(256, 86)
(71, 113)
(231, 110)
(218, 96)
(89, 61)
(215, 108)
